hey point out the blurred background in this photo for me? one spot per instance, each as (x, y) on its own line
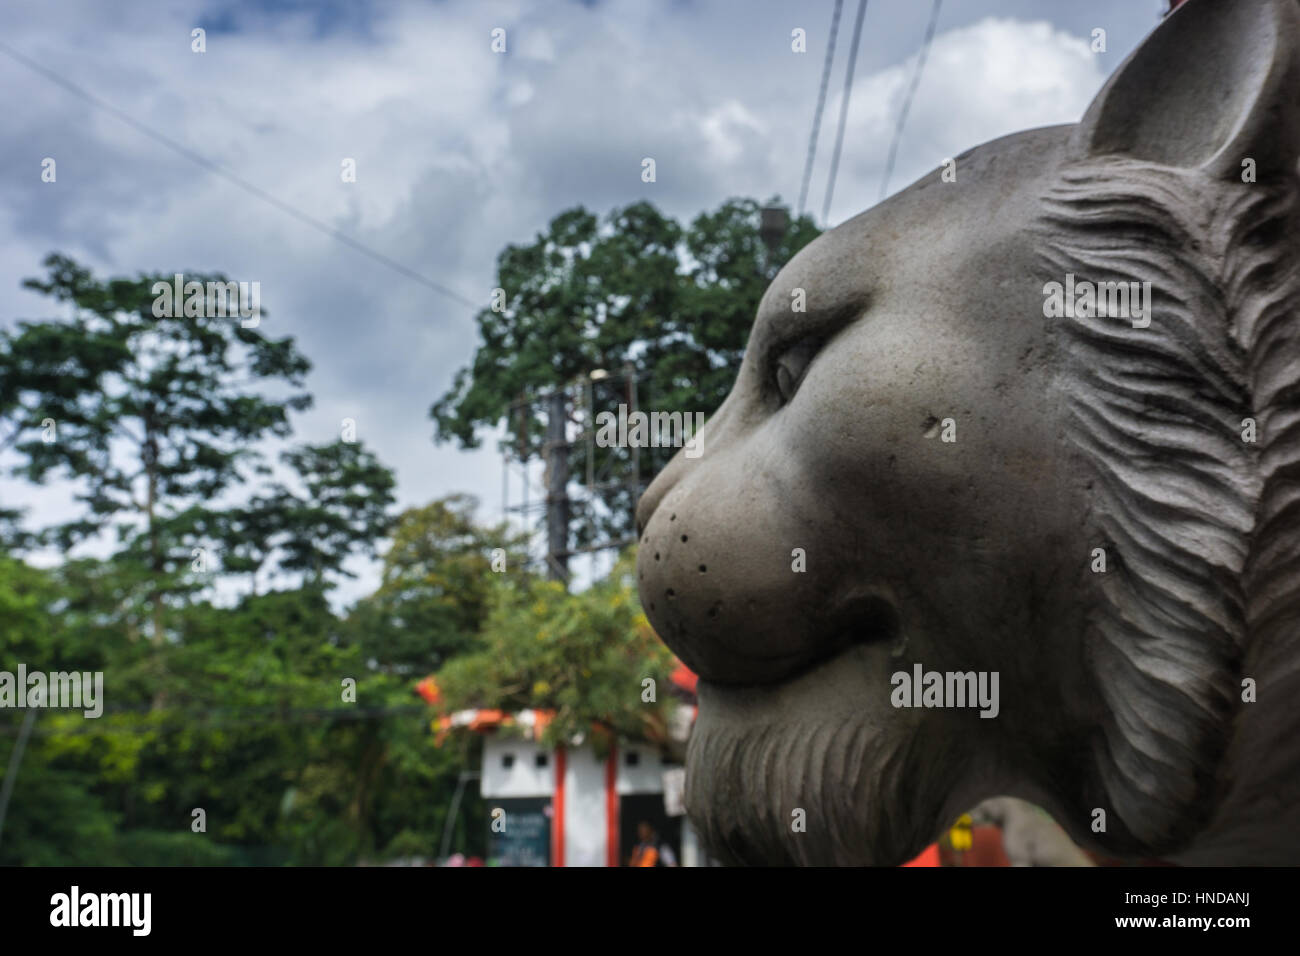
(355, 571)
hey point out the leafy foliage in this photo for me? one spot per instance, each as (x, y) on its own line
(583, 656)
(237, 708)
(156, 416)
(344, 511)
(433, 599)
(241, 715)
(665, 309)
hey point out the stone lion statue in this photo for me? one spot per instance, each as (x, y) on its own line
(1011, 506)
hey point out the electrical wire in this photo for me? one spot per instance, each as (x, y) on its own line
(230, 177)
(844, 109)
(907, 101)
(821, 103)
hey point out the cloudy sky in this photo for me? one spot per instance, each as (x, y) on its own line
(460, 150)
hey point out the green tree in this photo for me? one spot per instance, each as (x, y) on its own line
(253, 731)
(172, 422)
(436, 585)
(238, 712)
(342, 510)
(666, 310)
(585, 656)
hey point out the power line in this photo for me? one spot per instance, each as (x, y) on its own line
(844, 109)
(225, 174)
(907, 101)
(821, 103)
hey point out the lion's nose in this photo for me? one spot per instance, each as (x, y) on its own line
(645, 508)
(728, 602)
(654, 495)
(682, 464)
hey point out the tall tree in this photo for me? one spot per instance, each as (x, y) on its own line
(664, 310)
(436, 585)
(273, 716)
(341, 510)
(171, 424)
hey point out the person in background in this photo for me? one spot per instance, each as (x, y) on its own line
(650, 851)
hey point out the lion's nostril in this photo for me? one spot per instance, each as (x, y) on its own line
(672, 517)
(656, 555)
(703, 569)
(683, 537)
(670, 593)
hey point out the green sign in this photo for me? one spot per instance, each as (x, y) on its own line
(522, 835)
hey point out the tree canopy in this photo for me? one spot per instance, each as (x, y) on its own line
(637, 295)
(586, 658)
(263, 722)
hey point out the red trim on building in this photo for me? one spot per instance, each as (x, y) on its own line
(611, 807)
(557, 811)
(685, 678)
(488, 720)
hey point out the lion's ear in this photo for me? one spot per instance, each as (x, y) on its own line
(1216, 84)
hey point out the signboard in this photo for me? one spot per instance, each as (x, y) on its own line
(524, 837)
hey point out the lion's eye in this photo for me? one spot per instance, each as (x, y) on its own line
(791, 367)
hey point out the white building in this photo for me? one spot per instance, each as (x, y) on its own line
(566, 806)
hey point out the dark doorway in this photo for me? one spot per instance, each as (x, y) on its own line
(636, 807)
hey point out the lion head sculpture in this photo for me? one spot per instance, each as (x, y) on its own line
(1035, 434)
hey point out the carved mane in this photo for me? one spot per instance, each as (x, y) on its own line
(1201, 528)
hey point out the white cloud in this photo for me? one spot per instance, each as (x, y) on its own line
(728, 129)
(459, 151)
(982, 81)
